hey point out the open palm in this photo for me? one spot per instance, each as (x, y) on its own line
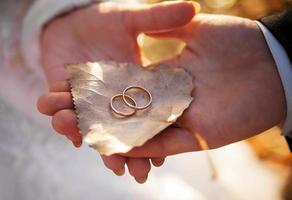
(104, 31)
(238, 92)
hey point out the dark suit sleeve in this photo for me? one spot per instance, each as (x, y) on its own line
(289, 141)
(281, 27)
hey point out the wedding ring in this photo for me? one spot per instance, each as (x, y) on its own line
(135, 106)
(124, 114)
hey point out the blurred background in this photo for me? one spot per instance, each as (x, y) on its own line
(37, 164)
(245, 8)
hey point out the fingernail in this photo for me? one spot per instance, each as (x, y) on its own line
(197, 6)
(77, 144)
(119, 172)
(141, 180)
(158, 164)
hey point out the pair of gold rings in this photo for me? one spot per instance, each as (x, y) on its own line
(130, 102)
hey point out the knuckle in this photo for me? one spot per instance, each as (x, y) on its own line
(56, 125)
(42, 104)
(60, 86)
(58, 122)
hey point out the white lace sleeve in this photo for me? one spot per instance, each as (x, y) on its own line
(39, 14)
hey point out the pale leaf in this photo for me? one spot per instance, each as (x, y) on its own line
(93, 85)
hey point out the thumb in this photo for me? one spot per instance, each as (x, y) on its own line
(159, 17)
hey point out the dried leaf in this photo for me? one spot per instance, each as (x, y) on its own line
(93, 85)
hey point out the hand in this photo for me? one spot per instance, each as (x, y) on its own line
(101, 32)
(238, 92)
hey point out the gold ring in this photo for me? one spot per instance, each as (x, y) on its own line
(119, 112)
(136, 107)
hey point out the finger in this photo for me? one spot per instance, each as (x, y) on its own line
(51, 102)
(65, 123)
(139, 168)
(185, 33)
(176, 34)
(77, 144)
(116, 163)
(60, 86)
(171, 141)
(158, 17)
(157, 162)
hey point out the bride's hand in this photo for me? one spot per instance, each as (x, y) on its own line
(101, 32)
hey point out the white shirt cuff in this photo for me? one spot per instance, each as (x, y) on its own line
(284, 67)
(41, 12)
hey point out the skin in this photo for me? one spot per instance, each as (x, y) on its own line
(101, 32)
(238, 91)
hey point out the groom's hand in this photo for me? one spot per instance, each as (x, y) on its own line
(238, 91)
(101, 32)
